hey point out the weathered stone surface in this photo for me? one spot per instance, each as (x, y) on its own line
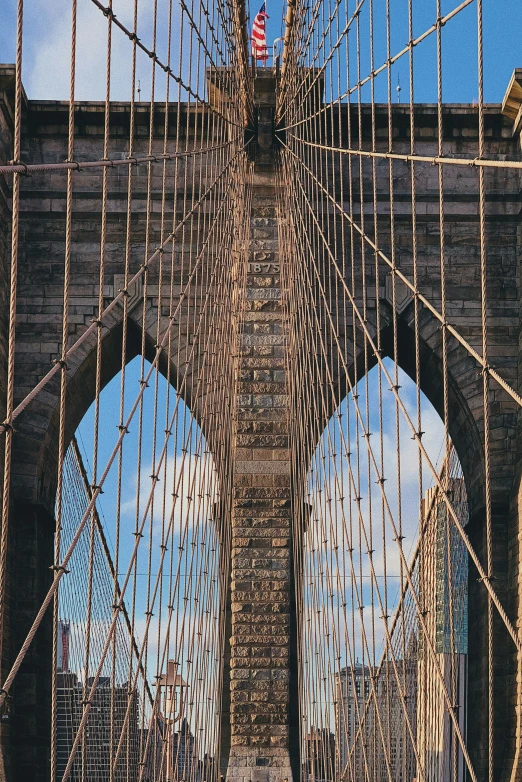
(257, 517)
(261, 564)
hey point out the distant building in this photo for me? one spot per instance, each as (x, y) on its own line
(443, 584)
(319, 756)
(63, 637)
(359, 736)
(387, 749)
(94, 752)
(171, 755)
(352, 688)
(208, 769)
(184, 763)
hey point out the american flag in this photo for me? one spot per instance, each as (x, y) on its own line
(259, 50)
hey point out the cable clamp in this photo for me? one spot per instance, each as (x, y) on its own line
(117, 607)
(59, 569)
(149, 613)
(132, 159)
(153, 55)
(61, 362)
(154, 477)
(95, 487)
(123, 428)
(143, 383)
(8, 426)
(74, 163)
(25, 171)
(109, 12)
(133, 37)
(138, 534)
(97, 321)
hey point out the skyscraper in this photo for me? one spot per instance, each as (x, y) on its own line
(319, 759)
(108, 709)
(443, 592)
(352, 687)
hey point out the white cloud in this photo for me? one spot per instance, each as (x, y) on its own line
(335, 526)
(47, 50)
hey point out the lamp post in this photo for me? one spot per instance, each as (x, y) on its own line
(171, 708)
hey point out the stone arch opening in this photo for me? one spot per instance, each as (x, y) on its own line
(352, 575)
(34, 531)
(466, 430)
(182, 519)
(464, 417)
(36, 446)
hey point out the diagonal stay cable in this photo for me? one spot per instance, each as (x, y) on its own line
(61, 569)
(416, 292)
(107, 553)
(434, 27)
(139, 535)
(124, 292)
(354, 488)
(320, 71)
(405, 590)
(417, 436)
(389, 511)
(155, 59)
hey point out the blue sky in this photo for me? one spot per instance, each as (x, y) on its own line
(47, 35)
(46, 76)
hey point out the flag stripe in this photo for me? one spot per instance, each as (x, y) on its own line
(259, 48)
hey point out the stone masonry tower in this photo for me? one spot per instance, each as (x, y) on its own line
(263, 724)
(260, 722)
